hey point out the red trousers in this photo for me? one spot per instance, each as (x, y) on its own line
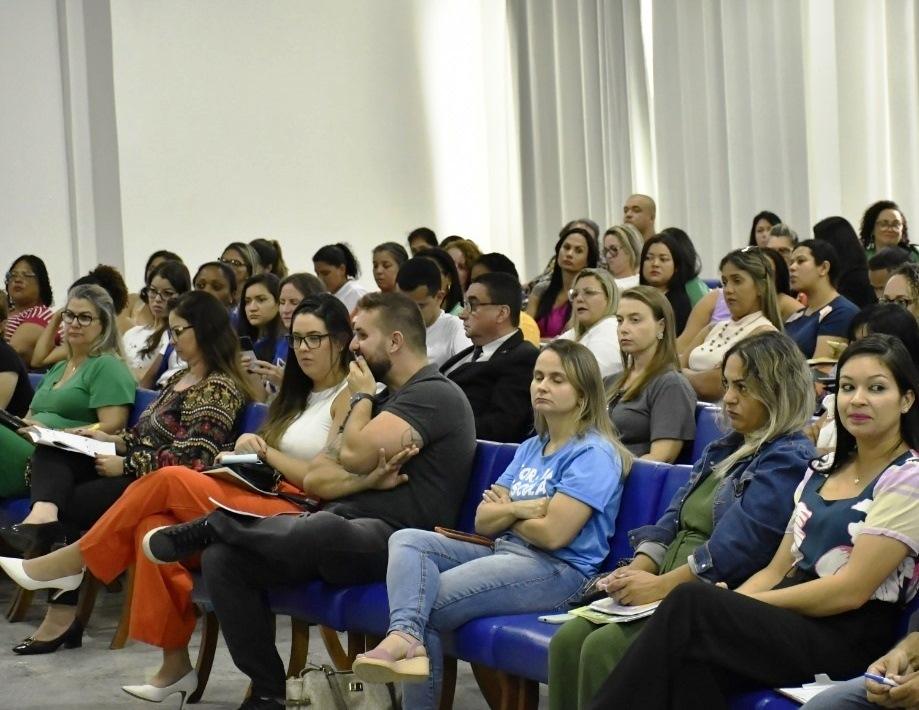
(161, 610)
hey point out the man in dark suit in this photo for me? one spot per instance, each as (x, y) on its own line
(495, 373)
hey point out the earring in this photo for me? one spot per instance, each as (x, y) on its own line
(660, 336)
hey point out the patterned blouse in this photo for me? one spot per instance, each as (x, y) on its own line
(186, 428)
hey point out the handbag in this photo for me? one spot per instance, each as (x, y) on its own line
(324, 688)
(259, 478)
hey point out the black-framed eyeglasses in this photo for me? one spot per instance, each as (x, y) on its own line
(154, 293)
(176, 333)
(235, 263)
(899, 300)
(473, 306)
(312, 340)
(24, 275)
(84, 319)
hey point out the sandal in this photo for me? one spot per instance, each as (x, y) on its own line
(379, 666)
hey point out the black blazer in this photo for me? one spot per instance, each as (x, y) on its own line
(499, 389)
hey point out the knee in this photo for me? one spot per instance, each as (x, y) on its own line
(216, 560)
(408, 537)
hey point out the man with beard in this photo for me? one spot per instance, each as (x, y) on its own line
(402, 460)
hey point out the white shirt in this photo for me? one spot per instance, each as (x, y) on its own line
(445, 338)
(173, 365)
(350, 293)
(134, 341)
(602, 339)
(306, 435)
(488, 350)
(627, 282)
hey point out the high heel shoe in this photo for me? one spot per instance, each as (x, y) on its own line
(71, 638)
(185, 685)
(33, 539)
(13, 567)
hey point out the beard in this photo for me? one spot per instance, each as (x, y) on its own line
(379, 364)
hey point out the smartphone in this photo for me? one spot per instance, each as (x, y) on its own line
(246, 348)
(556, 618)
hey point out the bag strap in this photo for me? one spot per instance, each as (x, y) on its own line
(334, 690)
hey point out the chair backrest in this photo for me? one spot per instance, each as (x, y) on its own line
(707, 429)
(252, 417)
(638, 506)
(143, 398)
(491, 459)
(35, 379)
(677, 475)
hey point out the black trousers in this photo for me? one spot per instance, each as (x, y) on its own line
(81, 495)
(253, 555)
(704, 642)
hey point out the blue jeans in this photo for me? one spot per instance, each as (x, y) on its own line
(436, 584)
(850, 695)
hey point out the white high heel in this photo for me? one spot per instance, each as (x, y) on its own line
(185, 685)
(13, 567)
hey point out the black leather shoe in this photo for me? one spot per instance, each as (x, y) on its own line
(71, 638)
(33, 539)
(261, 704)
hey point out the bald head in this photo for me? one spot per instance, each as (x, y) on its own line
(639, 211)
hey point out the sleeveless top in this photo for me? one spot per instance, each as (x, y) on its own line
(307, 434)
(721, 337)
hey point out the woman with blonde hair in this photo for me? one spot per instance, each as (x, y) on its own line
(651, 404)
(620, 250)
(552, 512)
(723, 525)
(594, 300)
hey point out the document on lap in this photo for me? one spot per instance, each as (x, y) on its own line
(69, 442)
(608, 611)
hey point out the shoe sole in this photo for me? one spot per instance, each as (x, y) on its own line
(406, 670)
(148, 553)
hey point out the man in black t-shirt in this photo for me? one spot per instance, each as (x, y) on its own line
(421, 423)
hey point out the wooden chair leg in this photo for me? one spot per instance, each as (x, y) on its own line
(210, 630)
(299, 646)
(448, 686)
(497, 688)
(527, 694)
(19, 604)
(121, 633)
(340, 659)
(88, 592)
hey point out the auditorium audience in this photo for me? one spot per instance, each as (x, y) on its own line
(15, 388)
(576, 249)
(749, 292)
(720, 527)
(852, 272)
(496, 370)
(552, 512)
(270, 256)
(219, 280)
(243, 259)
(499, 263)
(819, 328)
(421, 238)
(543, 279)
(449, 279)
(882, 264)
(829, 599)
(902, 288)
(261, 321)
(419, 279)
(594, 300)
(651, 404)
(301, 420)
(190, 421)
(140, 311)
(338, 269)
(884, 225)
(621, 253)
(639, 211)
(93, 385)
(29, 294)
(388, 257)
(763, 222)
(783, 239)
(696, 288)
(464, 253)
(664, 266)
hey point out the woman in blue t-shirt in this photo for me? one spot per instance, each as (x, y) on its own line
(552, 512)
(829, 599)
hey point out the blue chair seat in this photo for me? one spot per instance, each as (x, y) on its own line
(314, 602)
(143, 398)
(708, 428)
(251, 418)
(14, 510)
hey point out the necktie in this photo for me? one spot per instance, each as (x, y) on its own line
(476, 353)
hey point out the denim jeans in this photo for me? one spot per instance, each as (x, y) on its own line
(436, 584)
(850, 695)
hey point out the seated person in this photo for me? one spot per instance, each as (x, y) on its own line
(552, 511)
(594, 300)
(829, 599)
(882, 265)
(419, 279)
(496, 370)
(93, 385)
(621, 253)
(388, 257)
(820, 327)
(782, 239)
(494, 262)
(30, 297)
(852, 266)
(721, 526)
(15, 388)
(902, 288)
(696, 288)
(338, 269)
(749, 291)
(421, 238)
(665, 266)
(884, 225)
(651, 404)
(189, 422)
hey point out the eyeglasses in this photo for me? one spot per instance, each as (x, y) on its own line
(610, 252)
(899, 300)
(24, 275)
(885, 224)
(473, 306)
(235, 263)
(153, 294)
(587, 292)
(176, 333)
(84, 319)
(312, 340)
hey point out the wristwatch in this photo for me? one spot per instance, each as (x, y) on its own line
(355, 398)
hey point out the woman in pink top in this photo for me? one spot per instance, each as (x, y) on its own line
(30, 298)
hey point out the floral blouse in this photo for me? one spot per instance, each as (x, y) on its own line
(187, 428)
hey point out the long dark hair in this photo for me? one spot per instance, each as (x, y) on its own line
(676, 287)
(779, 271)
(547, 299)
(216, 338)
(339, 254)
(271, 331)
(45, 294)
(163, 254)
(269, 253)
(853, 264)
(296, 385)
(176, 273)
(692, 263)
(870, 218)
(770, 217)
(447, 268)
(888, 319)
(892, 353)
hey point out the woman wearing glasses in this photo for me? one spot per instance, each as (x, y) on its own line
(883, 225)
(594, 300)
(621, 253)
(902, 288)
(30, 297)
(301, 421)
